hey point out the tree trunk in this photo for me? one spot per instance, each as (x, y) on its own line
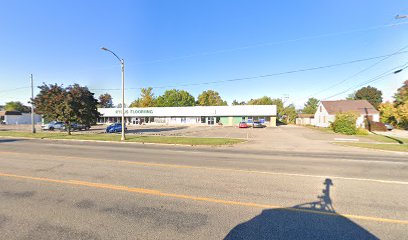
(69, 129)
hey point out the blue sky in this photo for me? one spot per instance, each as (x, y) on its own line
(166, 43)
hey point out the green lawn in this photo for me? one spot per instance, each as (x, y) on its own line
(130, 138)
(386, 139)
(371, 136)
(389, 147)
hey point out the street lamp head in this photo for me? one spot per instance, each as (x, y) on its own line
(401, 16)
(104, 48)
(398, 71)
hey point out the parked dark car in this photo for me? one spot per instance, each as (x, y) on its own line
(114, 127)
(258, 125)
(243, 125)
(78, 127)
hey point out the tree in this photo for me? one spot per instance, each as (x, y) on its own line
(402, 115)
(68, 105)
(388, 113)
(261, 101)
(401, 96)
(351, 96)
(371, 94)
(210, 98)
(105, 101)
(17, 106)
(146, 98)
(289, 114)
(235, 102)
(310, 106)
(135, 103)
(175, 98)
(268, 101)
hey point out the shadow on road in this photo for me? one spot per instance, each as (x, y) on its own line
(313, 220)
(389, 137)
(10, 140)
(154, 130)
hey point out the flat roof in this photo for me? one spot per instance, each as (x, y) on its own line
(196, 111)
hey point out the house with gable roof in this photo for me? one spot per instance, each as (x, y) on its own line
(327, 110)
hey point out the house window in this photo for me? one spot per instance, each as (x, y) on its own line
(320, 108)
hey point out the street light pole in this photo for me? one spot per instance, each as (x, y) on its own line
(123, 138)
(32, 104)
(122, 63)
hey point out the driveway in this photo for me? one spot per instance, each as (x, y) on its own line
(395, 133)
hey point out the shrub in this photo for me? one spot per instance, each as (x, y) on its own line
(345, 123)
(362, 131)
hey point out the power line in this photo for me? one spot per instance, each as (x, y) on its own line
(259, 76)
(13, 89)
(270, 43)
(374, 79)
(359, 72)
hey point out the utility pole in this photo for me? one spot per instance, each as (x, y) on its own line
(32, 104)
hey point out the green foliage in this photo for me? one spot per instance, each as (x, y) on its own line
(70, 104)
(388, 113)
(17, 106)
(175, 98)
(146, 99)
(351, 96)
(289, 114)
(105, 101)
(362, 131)
(268, 101)
(401, 96)
(235, 102)
(210, 98)
(371, 94)
(402, 118)
(310, 106)
(345, 123)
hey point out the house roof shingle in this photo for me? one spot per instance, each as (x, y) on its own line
(4, 113)
(359, 106)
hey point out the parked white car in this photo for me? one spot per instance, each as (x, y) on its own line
(53, 125)
(389, 127)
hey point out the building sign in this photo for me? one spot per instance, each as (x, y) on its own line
(135, 111)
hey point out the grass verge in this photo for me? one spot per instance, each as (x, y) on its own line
(388, 147)
(385, 139)
(371, 136)
(130, 138)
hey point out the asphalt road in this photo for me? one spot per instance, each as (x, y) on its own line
(76, 190)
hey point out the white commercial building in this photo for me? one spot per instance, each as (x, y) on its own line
(15, 117)
(204, 115)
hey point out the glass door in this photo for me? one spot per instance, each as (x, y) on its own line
(210, 120)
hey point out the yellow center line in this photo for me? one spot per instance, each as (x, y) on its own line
(195, 198)
(147, 164)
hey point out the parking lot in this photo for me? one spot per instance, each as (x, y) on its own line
(282, 138)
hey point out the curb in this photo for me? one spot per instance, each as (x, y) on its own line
(119, 142)
(372, 149)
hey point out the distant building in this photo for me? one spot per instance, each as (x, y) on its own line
(305, 119)
(197, 115)
(327, 110)
(16, 117)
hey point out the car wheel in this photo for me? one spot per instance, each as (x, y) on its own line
(51, 128)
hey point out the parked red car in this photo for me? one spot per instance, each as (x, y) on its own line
(243, 125)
